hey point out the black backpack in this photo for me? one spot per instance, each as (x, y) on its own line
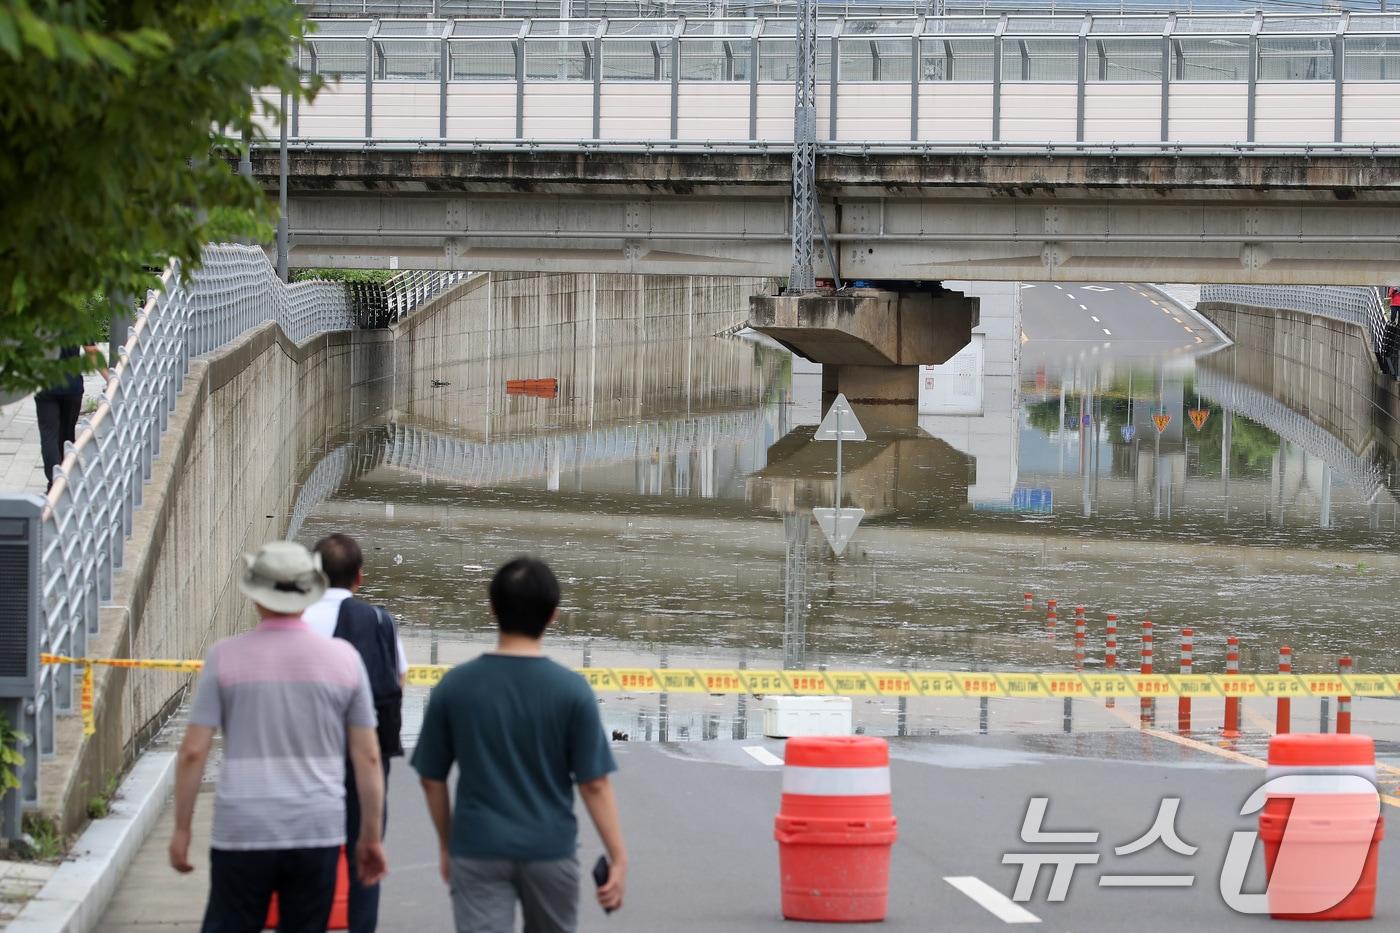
(371, 630)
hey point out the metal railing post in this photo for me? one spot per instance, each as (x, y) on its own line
(1252, 107)
(996, 77)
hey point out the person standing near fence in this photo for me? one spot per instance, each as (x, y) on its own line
(57, 410)
(370, 630)
(522, 731)
(289, 705)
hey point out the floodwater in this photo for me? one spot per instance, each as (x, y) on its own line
(672, 486)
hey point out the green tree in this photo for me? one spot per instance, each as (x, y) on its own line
(117, 119)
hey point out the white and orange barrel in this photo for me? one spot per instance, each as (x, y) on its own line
(1321, 827)
(835, 829)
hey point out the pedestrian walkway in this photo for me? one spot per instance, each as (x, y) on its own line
(21, 467)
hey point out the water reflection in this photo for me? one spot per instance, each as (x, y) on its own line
(675, 500)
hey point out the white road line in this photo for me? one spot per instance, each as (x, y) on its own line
(1107, 331)
(992, 900)
(1070, 296)
(1058, 287)
(1083, 308)
(1199, 340)
(762, 755)
(1094, 319)
(1188, 328)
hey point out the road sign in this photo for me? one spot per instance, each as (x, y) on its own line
(840, 423)
(1161, 420)
(1199, 416)
(838, 525)
(1127, 431)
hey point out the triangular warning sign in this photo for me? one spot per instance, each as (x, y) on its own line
(1161, 421)
(1199, 416)
(838, 525)
(840, 423)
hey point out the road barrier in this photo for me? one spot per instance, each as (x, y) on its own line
(896, 683)
(1321, 827)
(835, 828)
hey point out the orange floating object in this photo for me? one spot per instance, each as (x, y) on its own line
(835, 829)
(533, 388)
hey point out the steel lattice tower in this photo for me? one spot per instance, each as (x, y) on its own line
(802, 277)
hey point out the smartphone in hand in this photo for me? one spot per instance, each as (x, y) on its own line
(601, 870)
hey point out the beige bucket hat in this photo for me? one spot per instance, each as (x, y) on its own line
(283, 576)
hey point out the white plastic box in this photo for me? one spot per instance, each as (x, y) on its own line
(785, 717)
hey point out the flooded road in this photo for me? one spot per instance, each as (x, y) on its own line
(671, 485)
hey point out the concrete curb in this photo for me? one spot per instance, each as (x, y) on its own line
(78, 893)
(1220, 334)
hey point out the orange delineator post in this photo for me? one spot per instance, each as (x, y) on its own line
(1231, 728)
(1284, 715)
(1079, 636)
(1051, 616)
(1183, 703)
(1029, 598)
(1148, 710)
(1110, 652)
(1344, 703)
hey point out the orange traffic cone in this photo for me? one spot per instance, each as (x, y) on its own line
(340, 907)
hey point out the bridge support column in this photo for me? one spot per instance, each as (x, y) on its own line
(869, 342)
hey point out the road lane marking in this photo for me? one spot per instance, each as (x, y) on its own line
(762, 755)
(1199, 340)
(992, 900)
(1187, 328)
(1108, 332)
(1097, 288)
(1058, 287)
(1167, 312)
(1083, 308)
(1070, 296)
(1096, 320)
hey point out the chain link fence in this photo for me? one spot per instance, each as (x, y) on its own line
(88, 514)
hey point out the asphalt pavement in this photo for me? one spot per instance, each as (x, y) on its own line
(1114, 318)
(698, 818)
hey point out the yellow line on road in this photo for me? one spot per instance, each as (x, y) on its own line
(1230, 753)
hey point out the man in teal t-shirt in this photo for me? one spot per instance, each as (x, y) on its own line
(522, 731)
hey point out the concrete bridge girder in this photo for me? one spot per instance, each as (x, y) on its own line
(1004, 218)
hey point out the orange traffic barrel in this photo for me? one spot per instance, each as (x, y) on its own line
(340, 906)
(835, 828)
(1321, 827)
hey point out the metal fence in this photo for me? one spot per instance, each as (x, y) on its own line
(89, 511)
(1365, 308)
(379, 305)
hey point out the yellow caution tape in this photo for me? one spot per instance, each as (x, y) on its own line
(1027, 684)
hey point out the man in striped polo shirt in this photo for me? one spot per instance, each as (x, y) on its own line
(289, 704)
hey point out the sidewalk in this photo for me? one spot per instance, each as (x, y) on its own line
(21, 468)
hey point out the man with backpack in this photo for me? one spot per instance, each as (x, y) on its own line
(371, 631)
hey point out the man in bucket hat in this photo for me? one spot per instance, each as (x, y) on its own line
(289, 706)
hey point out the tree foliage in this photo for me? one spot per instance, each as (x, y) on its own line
(117, 118)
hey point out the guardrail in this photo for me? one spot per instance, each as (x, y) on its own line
(1365, 308)
(88, 513)
(1223, 148)
(379, 305)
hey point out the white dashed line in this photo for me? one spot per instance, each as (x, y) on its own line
(1188, 328)
(992, 900)
(1199, 340)
(1083, 308)
(1108, 332)
(1070, 296)
(1094, 319)
(1058, 288)
(762, 755)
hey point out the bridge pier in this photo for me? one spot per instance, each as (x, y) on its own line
(870, 342)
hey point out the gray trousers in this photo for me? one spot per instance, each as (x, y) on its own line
(484, 892)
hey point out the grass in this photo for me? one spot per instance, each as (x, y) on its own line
(48, 843)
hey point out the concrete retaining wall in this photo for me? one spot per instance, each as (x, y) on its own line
(1319, 367)
(247, 419)
(223, 484)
